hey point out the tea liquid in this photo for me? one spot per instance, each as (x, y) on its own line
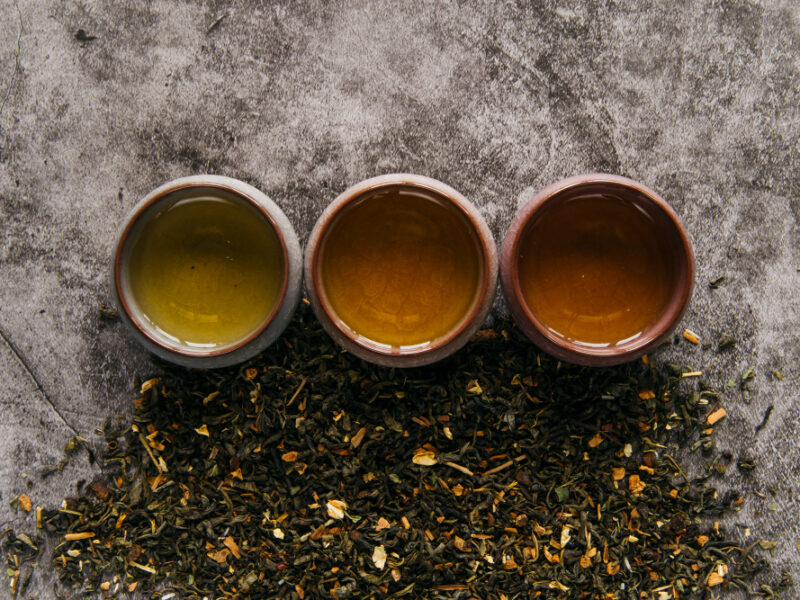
(206, 271)
(593, 270)
(400, 267)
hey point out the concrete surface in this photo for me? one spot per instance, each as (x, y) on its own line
(697, 99)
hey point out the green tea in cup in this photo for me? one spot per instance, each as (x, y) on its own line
(202, 270)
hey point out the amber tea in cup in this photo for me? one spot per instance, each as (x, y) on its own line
(399, 269)
(593, 269)
(597, 268)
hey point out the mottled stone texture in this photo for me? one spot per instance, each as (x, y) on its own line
(697, 99)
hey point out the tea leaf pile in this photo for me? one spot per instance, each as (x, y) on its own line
(499, 473)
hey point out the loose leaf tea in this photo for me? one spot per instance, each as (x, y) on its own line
(500, 473)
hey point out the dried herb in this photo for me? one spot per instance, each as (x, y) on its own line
(500, 473)
(107, 313)
(726, 342)
(764, 420)
(21, 552)
(82, 36)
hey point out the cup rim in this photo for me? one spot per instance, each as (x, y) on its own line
(369, 349)
(161, 194)
(535, 329)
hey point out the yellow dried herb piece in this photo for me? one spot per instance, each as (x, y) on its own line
(356, 440)
(82, 535)
(424, 457)
(149, 384)
(509, 564)
(220, 556)
(231, 544)
(716, 416)
(473, 387)
(336, 508)
(24, 502)
(552, 558)
(691, 336)
(379, 557)
(636, 485)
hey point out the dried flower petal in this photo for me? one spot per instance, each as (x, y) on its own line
(636, 485)
(596, 440)
(379, 557)
(232, 546)
(356, 440)
(336, 508)
(424, 457)
(24, 502)
(219, 556)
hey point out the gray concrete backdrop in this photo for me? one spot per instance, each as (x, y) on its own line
(698, 99)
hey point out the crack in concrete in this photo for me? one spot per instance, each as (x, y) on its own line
(12, 83)
(24, 363)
